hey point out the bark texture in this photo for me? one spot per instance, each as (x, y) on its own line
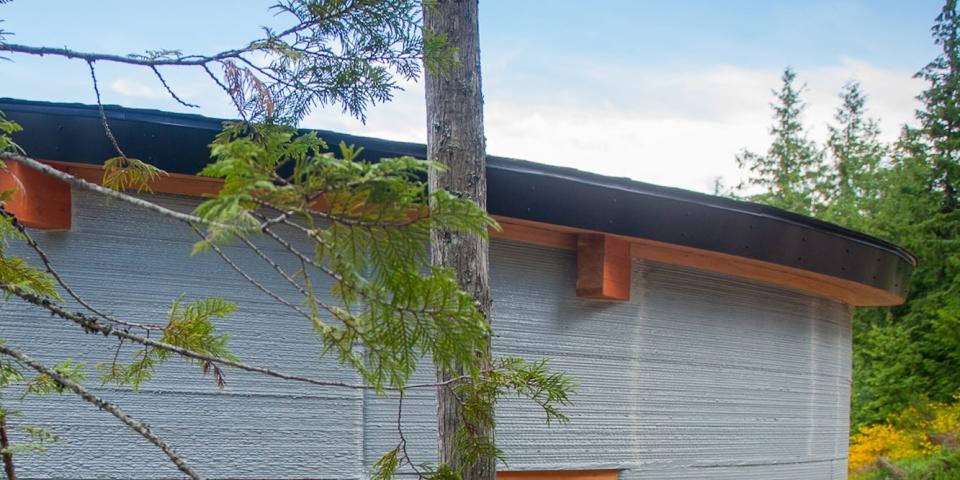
(8, 469)
(455, 139)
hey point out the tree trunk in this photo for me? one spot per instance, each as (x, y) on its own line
(4, 446)
(455, 139)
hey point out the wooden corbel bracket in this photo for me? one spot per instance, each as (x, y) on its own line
(39, 201)
(603, 267)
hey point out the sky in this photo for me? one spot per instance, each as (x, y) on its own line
(667, 91)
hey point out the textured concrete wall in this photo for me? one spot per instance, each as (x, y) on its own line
(698, 376)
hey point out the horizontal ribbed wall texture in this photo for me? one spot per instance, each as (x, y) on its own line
(697, 376)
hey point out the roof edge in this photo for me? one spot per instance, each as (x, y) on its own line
(518, 189)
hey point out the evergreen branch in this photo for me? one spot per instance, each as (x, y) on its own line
(312, 20)
(344, 220)
(92, 325)
(140, 427)
(195, 60)
(321, 59)
(339, 278)
(304, 259)
(337, 313)
(143, 61)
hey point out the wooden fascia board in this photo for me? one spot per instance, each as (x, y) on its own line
(558, 236)
(847, 291)
(174, 183)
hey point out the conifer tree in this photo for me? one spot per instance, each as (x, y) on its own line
(849, 186)
(940, 116)
(787, 174)
(455, 140)
(366, 224)
(927, 219)
(912, 352)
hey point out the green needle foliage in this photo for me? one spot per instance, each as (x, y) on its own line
(509, 377)
(8, 127)
(44, 384)
(368, 224)
(122, 173)
(786, 176)
(912, 352)
(189, 327)
(38, 439)
(852, 180)
(15, 272)
(906, 193)
(346, 52)
(359, 231)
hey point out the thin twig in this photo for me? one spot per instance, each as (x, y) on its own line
(353, 222)
(403, 440)
(226, 89)
(116, 355)
(92, 325)
(187, 60)
(260, 253)
(142, 428)
(163, 81)
(252, 280)
(103, 114)
(8, 466)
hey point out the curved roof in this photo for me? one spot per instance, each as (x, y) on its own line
(516, 188)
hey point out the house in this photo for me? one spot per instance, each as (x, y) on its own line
(711, 338)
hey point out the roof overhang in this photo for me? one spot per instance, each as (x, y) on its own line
(536, 203)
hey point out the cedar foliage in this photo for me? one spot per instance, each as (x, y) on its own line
(380, 308)
(392, 309)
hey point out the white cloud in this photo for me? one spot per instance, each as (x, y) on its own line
(132, 88)
(680, 128)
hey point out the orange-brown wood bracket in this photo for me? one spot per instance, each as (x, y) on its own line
(559, 475)
(603, 267)
(39, 201)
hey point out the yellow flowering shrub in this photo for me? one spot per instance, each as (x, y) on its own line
(947, 417)
(914, 433)
(886, 440)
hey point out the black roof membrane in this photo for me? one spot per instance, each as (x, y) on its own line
(520, 189)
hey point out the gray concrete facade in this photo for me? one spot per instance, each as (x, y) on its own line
(699, 375)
